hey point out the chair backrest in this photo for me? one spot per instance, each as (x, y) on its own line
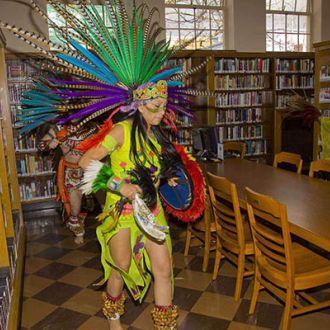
(289, 158)
(270, 232)
(319, 165)
(226, 209)
(236, 147)
(208, 217)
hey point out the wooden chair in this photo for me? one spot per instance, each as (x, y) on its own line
(202, 230)
(319, 165)
(235, 147)
(283, 267)
(234, 240)
(289, 158)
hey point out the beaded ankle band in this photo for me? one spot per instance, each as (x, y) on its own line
(113, 307)
(165, 317)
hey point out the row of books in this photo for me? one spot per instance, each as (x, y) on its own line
(183, 137)
(6, 283)
(16, 90)
(294, 65)
(171, 63)
(283, 99)
(243, 99)
(294, 81)
(324, 95)
(234, 133)
(22, 70)
(255, 147)
(33, 164)
(183, 120)
(238, 116)
(38, 189)
(25, 142)
(325, 72)
(241, 82)
(5, 296)
(242, 65)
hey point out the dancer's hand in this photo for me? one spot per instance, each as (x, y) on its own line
(172, 182)
(129, 190)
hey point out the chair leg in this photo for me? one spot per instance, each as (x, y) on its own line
(286, 319)
(207, 245)
(239, 277)
(188, 239)
(217, 260)
(255, 292)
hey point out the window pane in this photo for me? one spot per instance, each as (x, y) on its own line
(54, 37)
(186, 35)
(217, 39)
(202, 19)
(269, 42)
(289, 5)
(186, 18)
(279, 42)
(303, 40)
(171, 18)
(303, 27)
(269, 22)
(279, 23)
(302, 5)
(183, 2)
(203, 40)
(56, 18)
(292, 43)
(174, 36)
(267, 4)
(276, 5)
(292, 23)
(216, 19)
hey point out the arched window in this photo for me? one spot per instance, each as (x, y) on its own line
(288, 25)
(201, 20)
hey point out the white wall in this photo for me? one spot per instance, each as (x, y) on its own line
(321, 20)
(246, 25)
(21, 15)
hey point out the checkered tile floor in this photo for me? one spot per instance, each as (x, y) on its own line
(58, 291)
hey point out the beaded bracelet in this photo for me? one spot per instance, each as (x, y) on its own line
(115, 183)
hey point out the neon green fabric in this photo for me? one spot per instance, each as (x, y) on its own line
(138, 277)
(325, 137)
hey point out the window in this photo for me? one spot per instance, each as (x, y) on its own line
(288, 25)
(201, 20)
(60, 22)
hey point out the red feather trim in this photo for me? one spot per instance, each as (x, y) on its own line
(198, 204)
(97, 138)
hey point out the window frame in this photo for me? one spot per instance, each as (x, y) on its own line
(209, 8)
(307, 34)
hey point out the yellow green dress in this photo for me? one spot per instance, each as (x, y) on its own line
(138, 277)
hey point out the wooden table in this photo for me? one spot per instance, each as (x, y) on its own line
(307, 199)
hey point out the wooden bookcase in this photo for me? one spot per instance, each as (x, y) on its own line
(322, 88)
(252, 90)
(35, 173)
(12, 237)
(293, 73)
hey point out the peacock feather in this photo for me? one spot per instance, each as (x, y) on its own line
(97, 67)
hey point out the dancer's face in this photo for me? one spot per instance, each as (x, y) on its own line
(153, 112)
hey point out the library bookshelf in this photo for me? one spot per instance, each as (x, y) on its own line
(293, 74)
(251, 92)
(35, 173)
(322, 89)
(12, 233)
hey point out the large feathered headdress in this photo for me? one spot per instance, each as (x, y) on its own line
(100, 69)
